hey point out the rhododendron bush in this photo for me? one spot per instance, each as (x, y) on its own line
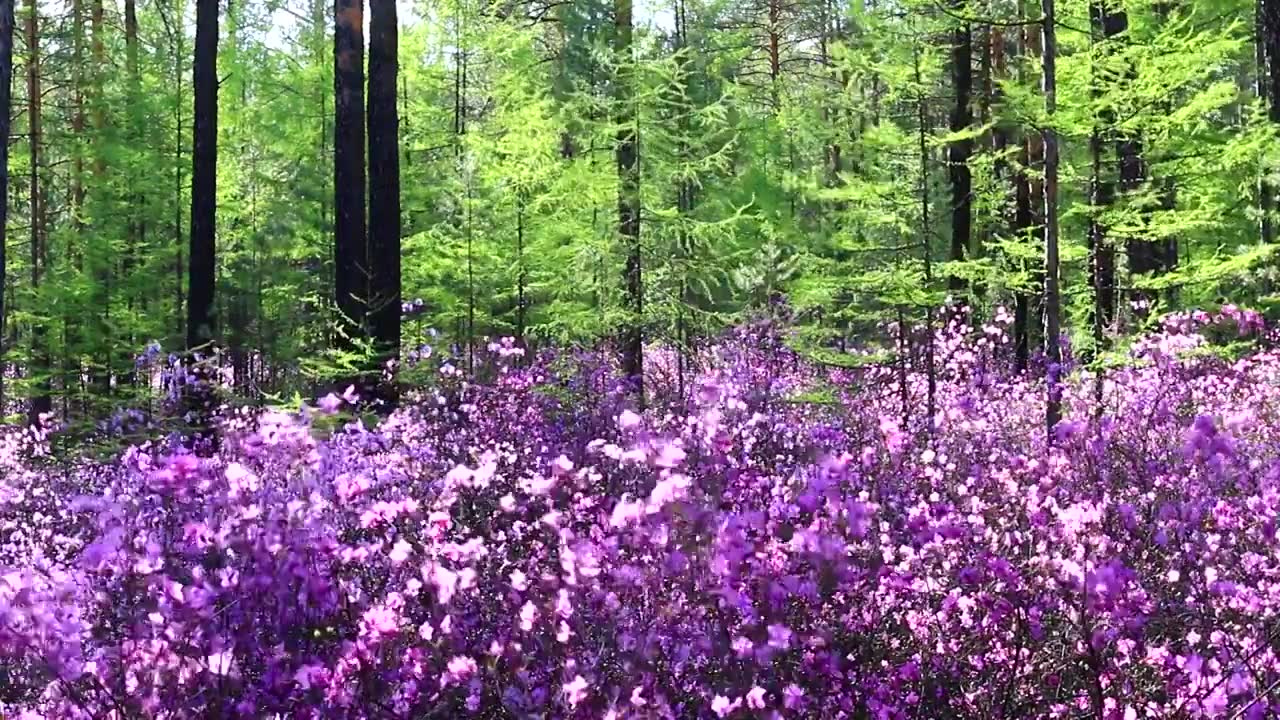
(533, 546)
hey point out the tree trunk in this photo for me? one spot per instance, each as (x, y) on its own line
(6, 100)
(1022, 222)
(629, 204)
(1102, 190)
(350, 245)
(101, 255)
(179, 272)
(135, 232)
(1272, 22)
(202, 268)
(77, 115)
(384, 187)
(960, 150)
(926, 248)
(41, 403)
(1267, 46)
(1052, 309)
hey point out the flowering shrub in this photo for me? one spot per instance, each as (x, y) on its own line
(531, 547)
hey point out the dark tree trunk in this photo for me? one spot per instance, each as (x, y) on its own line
(926, 249)
(6, 99)
(1022, 222)
(1052, 309)
(179, 271)
(201, 325)
(100, 255)
(960, 150)
(350, 245)
(1166, 251)
(202, 268)
(629, 205)
(1272, 21)
(41, 402)
(1139, 251)
(1102, 189)
(384, 187)
(136, 230)
(521, 277)
(1267, 49)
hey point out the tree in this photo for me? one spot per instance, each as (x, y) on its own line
(41, 402)
(202, 269)
(1052, 302)
(384, 182)
(961, 148)
(1269, 89)
(350, 243)
(6, 98)
(628, 159)
(1102, 189)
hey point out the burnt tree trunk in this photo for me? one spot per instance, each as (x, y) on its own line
(202, 267)
(350, 244)
(384, 188)
(1052, 309)
(6, 99)
(628, 157)
(1102, 189)
(960, 150)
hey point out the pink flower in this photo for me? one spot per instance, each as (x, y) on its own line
(723, 707)
(561, 466)
(460, 668)
(756, 698)
(628, 420)
(575, 691)
(378, 622)
(400, 552)
(329, 404)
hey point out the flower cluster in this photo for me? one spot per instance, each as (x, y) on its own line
(534, 546)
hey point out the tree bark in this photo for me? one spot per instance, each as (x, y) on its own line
(136, 230)
(41, 402)
(926, 252)
(384, 187)
(1102, 189)
(202, 268)
(1267, 46)
(960, 150)
(201, 325)
(350, 244)
(1052, 326)
(629, 203)
(101, 254)
(6, 100)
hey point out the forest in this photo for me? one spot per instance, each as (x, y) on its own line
(577, 359)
